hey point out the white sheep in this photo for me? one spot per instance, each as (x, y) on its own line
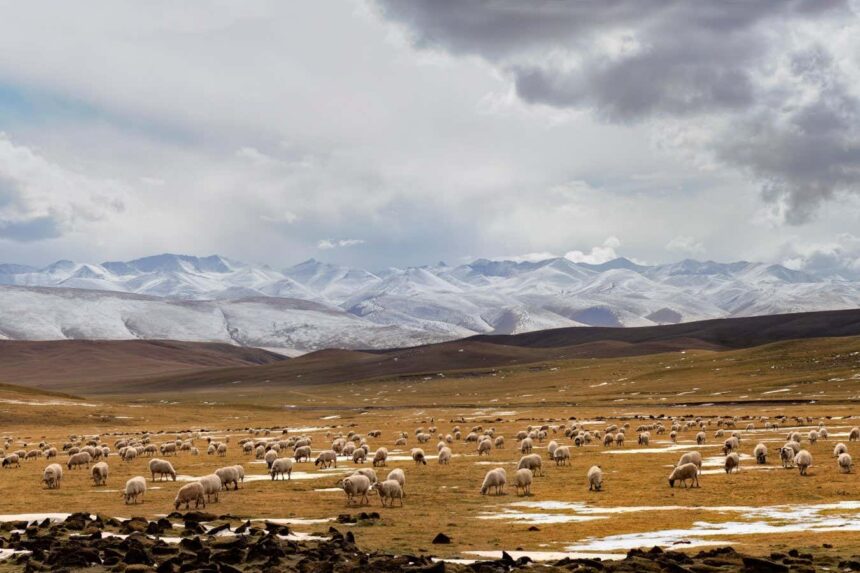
(683, 473)
(52, 476)
(418, 456)
(379, 457)
(595, 478)
(135, 488)
(760, 453)
(690, 458)
(839, 449)
(523, 481)
(803, 460)
(211, 486)
(562, 455)
(399, 476)
(551, 448)
(786, 456)
(845, 463)
(11, 460)
(228, 475)
(302, 453)
(485, 447)
(445, 455)
(222, 450)
(854, 435)
(532, 462)
(190, 492)
(356, 485)
(79, 459)
(270, 458)
(162, 469)
(280, 467)
(733, 462)
(700, 438)
(100, 473)
(369, 473)
(326, 459)
(495, 479)
(389, 490)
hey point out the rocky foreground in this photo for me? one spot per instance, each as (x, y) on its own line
(182, 543)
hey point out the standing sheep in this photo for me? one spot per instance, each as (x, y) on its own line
(523, 481)
(326, 459)
(684, 473)
(444, 455)
(162, 469)
(399, 476)
(495, 479)
(135, 488)
(760, 453)
(79, 459)
(228, 475)
(211, 486)
(803, 460)
(190, 492)
(690, 458)
(280, 467)
(356, 485)
(52, 476)
(532, 462)
(100, 473)
(733, 462)
(845, 463)
(379, 457)
(562, 456)
(595, 478)
(389, 490)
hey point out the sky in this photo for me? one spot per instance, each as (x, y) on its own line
(383, 133)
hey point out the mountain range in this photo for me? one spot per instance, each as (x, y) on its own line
(316, 305)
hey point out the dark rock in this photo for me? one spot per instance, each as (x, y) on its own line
(441, 539)
(758, 565)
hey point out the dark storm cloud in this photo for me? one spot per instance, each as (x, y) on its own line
(634, 60)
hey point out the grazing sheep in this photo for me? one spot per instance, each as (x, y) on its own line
(839, 449)
(595, 478)
(445, 455)
(644, 438)
(359, 456)
(228, 475)
(730, 445)
(523, 481)
(368, 473)
(326, 459)
(270, 457)
(495, 479)
(499, 442)
(532, 462)
(222, 450)
(684, 473)
(608, 440)
(50, 453)
(52, 476)
(551, 448)
(190, 492)
(356, 485)
(700, 438)
(854, 435)
(379, 457)
(803, 460)
(79, 459)
(485, 447)
(399, 476)
(302, 453)
(526, 446)
(691, 458)
(845, 463)
(211, 486)
(135, 488)
(619, 439)
(760, 453)
(241, 471)
(11, 460)
(813, 436)
(100, 473)
(162, 469)
(389, 490)
(280, 467)
(562, 456)
(786, 456)
(733, 462)
(418, 456)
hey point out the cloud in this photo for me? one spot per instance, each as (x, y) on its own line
(760, 77)
(597, 254)
(42, 200)
(685, 244)
(839, 258)
(326, 244)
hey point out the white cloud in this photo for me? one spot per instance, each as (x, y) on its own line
(597, 254)
(326, 244)
(685, 244)
(837, 258)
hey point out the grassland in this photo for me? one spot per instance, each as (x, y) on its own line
(816, 378)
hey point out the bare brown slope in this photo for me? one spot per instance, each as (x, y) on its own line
(68, 364)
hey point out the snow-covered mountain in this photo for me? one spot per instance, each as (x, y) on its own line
(315, 305)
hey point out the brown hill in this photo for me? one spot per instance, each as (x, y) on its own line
(68, 364)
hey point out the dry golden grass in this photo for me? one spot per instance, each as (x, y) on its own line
(446, 498)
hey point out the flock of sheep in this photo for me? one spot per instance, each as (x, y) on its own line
(281, 452)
